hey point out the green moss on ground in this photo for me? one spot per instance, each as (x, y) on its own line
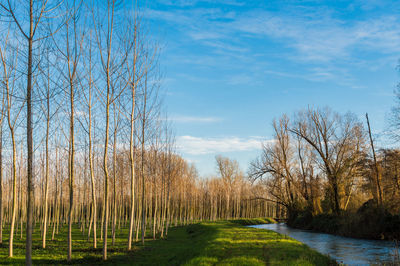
(205, 243)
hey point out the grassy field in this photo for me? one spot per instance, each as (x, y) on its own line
(206, 243)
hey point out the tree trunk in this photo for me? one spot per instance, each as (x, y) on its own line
(46, 188)
(29, 140)
(71, 172)
(377, 172)
(14, 189)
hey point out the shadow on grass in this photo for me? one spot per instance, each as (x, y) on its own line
(182, 245)
(207, 243)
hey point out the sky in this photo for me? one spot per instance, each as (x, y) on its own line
(231, 66)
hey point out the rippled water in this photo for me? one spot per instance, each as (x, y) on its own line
(345, 250)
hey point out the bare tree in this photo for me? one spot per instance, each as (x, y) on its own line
(230, 173)
(28, 24)
(71, 52)
(2, 112)
(337, 140)
(9, 80)
(376, 167)
(111, 67)
(117, 121)
(133, 81)
(88, 96)
(48, 94)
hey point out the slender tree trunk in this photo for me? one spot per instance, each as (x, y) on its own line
(107, 69)
(132, 147)
(14, 189)
(1, 180)
(29, 139)
(155, 211)
(114, 221)
(46, 188)
(105, 168)
(142, 160)
(20, 195)
(55, 210)
(71, 172)
(377, 172)
(94, 204)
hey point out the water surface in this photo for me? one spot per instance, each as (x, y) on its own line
(350, 251)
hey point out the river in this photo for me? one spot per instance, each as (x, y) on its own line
(349, 251)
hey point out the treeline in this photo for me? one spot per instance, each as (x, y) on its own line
(84, 140)
(323, 167)
(174, 195)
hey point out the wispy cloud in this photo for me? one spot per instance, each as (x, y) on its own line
(324, 38)
(318, 74)
(315, 34)
(219, 45)
(204, 35)
(198, 146)
(184, 3)
(194, 119)
(241, 79)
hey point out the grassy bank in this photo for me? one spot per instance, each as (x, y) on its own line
(368, 222)
(206, 243)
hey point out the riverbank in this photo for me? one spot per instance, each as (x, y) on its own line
(368, 222)
(205, 243)
(347, 251)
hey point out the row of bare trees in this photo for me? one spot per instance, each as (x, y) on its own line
(82, 61)
(174, 195)
(83, 139)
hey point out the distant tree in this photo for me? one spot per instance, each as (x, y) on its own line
(230, 173)
(278, 162)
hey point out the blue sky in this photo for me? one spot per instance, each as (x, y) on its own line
(231, 66)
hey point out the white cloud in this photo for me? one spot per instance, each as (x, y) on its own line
(315, 34)
(324, 38)
(225, 46)
(327, 46)
(241, 79)
(185, 3)
(194, 119)
(198, 146)
(204, 35)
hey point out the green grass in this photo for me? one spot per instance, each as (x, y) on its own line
(206, 243)
(253, 221)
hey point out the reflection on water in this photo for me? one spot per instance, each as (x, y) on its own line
(345, 250)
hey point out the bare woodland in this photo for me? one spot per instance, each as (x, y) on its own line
(325, 163)
(84, 140)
